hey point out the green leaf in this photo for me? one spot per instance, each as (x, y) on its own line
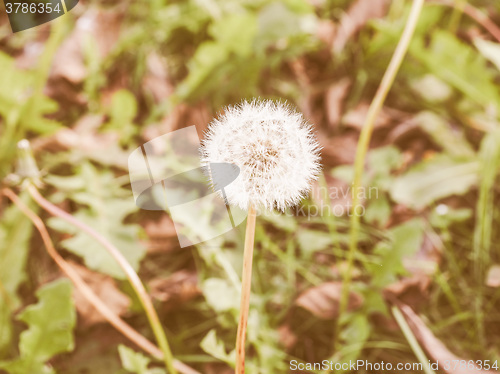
(50, 329)
(485, 227)
(122, 113)
(459, 65)
(277, 23)
(65, 184)
(378, 211)
(357, 331)
(124, 237)
(107, 206)
(214, 347)
(15, 232)
(236, 32)
(354, 336)
(406, 240)
(344, 173)
(50, 322)
(382, 162)
(208, 57)
(16, 93)
(299, 6)
(489, 50)
(220, 295)
(431, 88)
(390, 29)
(311, 241)
(281, 221)
(385, 159)
(132, 361)
(135, 362)
(15, 85)
(123, 108)
(434, 179)
(451, 140)
(443, 219)
(21, 109)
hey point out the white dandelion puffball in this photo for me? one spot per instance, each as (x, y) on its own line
(273, 146)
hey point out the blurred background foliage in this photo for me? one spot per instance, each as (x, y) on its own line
(92, 86)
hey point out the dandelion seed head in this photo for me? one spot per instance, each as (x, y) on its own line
(274, 148)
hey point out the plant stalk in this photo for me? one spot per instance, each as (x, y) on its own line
(412, 340)
(246, 283)
(364, 142)
(87, 292)
(132, 276)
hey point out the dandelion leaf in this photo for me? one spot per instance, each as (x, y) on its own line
(50, 329)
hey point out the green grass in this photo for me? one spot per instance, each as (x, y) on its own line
(435, 166)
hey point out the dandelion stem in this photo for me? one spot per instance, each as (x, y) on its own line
(246, 283)
(130, 273)
(87, 292)
(364, 142)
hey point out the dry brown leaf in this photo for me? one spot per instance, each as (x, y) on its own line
(179, 288)
(82, 136)
(323, 300)
(181, 116)
(157, 245)
(287, 337)
(355, 18)
(30, 56)
(434, 347)
(410, 290)
(160, 229)
(493, 278)
(308, 95)
(68, 60)
(105, 26)
(356, 117)
(419, 282)
(156, 79)
(162, 236)
(341, 267)
(100, 25)
(326, 31)
(85, 139)
(400, 213)
(168, 123)
(427, 259)
(404, 129)
(338, 150)
(217, 368)
(334, 97)
(105, 288)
